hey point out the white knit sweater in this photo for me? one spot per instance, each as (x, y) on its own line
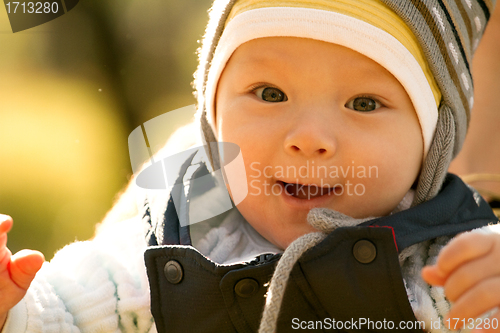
(93, 286)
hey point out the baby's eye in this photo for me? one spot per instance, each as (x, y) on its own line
(270, 94)
(363, 104)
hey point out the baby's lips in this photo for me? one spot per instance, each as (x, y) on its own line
(306, 190)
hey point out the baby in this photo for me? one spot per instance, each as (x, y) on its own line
(347, 115)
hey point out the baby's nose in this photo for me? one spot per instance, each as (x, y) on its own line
(311, 140)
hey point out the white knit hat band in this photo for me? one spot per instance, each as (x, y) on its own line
(330, 27)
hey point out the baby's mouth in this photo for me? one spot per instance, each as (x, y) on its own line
(301, 191)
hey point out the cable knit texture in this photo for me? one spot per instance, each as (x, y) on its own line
(93, 286)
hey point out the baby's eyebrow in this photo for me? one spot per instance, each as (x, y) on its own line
(276, 57)
(270, 65)
(261, 60)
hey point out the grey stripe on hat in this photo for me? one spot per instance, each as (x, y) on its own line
(461, 19)
(479, 16)
(455, 67)
(425, 27)
(454, 30)
(487, 7)
(466, 18)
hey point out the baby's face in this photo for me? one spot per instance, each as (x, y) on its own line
(317, 114)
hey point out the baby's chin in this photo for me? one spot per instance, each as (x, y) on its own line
(283, 240)
(372, 208)
(366, 212)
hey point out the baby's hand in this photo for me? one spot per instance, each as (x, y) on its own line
(469, 270)
(16, 271)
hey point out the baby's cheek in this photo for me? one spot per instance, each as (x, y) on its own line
(384, 194)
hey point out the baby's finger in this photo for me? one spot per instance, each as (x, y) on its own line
(5, 223)
(432, 275)
(490, 324)
(471, 273)
(479, 299)
(4, 261)
(24, 266)
(464, 248)
(5, 226)
(4, 250)
(3, 244)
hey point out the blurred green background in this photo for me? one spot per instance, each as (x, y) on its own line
(71, 91)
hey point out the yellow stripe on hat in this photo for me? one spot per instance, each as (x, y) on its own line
(373, 12)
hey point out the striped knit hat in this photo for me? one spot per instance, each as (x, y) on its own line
(426, 44)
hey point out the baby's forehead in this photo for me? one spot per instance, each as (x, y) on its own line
(293, 53)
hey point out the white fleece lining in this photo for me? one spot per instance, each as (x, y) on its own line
(17, 318)
(330, 27)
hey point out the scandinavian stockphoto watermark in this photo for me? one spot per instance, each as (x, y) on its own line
(294, 180)
(363, 324)
(187, 172)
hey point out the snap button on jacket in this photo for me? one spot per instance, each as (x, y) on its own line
(173, 272)
(364, 251)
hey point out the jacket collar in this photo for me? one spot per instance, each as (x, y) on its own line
(456, 208)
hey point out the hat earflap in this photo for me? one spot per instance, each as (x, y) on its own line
(438, 158)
